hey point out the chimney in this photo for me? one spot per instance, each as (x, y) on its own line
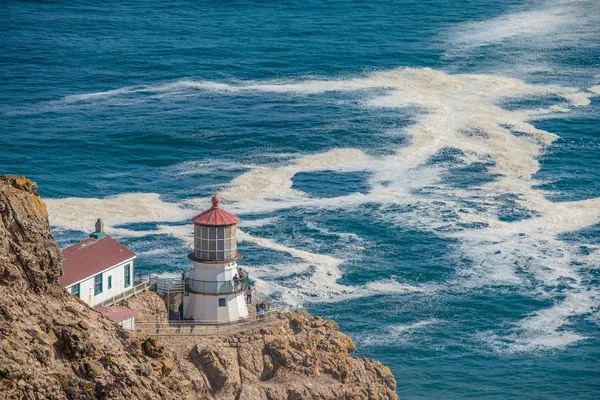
(99, 230)
(99, 226)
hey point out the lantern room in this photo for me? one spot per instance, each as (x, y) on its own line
(215, 235)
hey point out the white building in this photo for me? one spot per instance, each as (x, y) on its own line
(97, 268)
(214, 289)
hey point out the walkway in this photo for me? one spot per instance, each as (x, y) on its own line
(205, 328)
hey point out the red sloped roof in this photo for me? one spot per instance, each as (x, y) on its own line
(91, 256)
(115, 314)
(215, 216)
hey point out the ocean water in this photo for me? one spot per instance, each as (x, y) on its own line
(426, 173)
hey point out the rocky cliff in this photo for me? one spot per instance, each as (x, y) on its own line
(54, 347)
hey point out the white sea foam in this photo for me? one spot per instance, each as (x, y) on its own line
(544, 24)
(532, 40)
(80, 214)
(394, 334)
(345, 236)
(168, 275)
(182, 232)
(325, 269)
(319, 259)
(544, 329)
(256, 223)
(276, 183)
(316, 278)
(153, 252)
(510, 26)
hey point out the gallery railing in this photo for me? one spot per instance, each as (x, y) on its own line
(216, 287)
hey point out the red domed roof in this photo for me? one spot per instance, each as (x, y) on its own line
(215, 216)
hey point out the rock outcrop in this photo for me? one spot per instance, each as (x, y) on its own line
(146, 308)
(29, 257)
(53, 346)
(298, 356)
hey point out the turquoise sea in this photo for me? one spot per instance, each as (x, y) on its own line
(426, 173)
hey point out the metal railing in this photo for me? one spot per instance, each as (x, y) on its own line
(216, 287)
(169, 285)
(134, 291)
(205, 328)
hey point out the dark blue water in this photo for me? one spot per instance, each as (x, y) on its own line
(425, 173)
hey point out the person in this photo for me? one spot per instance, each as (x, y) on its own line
(178, 323)
(261, 311)
(157, 325)
(236, 281)
(249, 295)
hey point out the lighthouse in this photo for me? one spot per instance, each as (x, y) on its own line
(214, 287)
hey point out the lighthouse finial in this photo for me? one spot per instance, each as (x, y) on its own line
(215, 201)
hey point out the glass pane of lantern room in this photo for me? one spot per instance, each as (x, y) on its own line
(227, 244)
(220, 232)
(227, 231)
(205, 232)
(212, 232)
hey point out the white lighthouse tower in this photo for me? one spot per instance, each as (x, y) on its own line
(214, 286)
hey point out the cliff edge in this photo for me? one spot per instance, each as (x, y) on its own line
(52, 346)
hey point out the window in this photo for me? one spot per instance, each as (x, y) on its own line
(110, 282)
(215, 243)
(127, 275)
(75, 290)
(222, 302)
(97, 284)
